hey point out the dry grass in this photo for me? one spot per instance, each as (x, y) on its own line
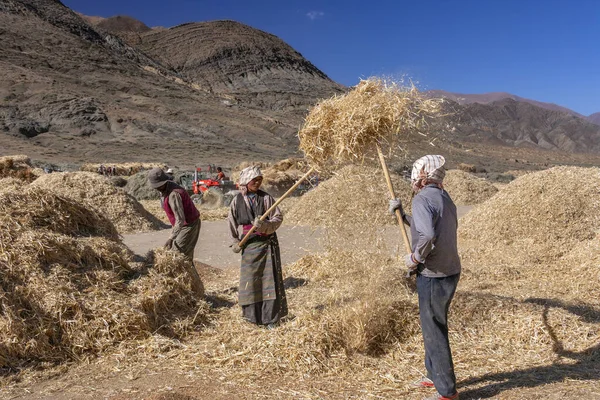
(19, 167)
(122, 168)
(344, 128)
(535, 219)
(466, 188)
(9, 184)
(123, 210)
(353, 201)
(69, 289)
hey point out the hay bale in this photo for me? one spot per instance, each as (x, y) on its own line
(138, 187)
(535, 219)
(467, 189)
(343, 128)
(96, 191)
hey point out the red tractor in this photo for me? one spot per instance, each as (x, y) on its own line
(208, 190)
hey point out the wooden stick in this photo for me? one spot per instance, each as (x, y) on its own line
(266, 214)
(386, 173)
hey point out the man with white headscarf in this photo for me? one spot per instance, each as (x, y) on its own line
(435, 260)
(261, 293)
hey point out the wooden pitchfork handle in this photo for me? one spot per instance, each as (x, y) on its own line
(266, 214)
(386, 173)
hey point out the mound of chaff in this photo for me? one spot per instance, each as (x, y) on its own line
(18, 167)
(95, 190)
(123, 169)
(534, 221)
(343, 128)
(466, 188)
(9, 184)
(69, 288)
(354, 198)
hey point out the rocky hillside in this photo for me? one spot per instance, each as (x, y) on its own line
(93, 89)
(71, 90)
(255, 68)
(487, 98)
(519, 123)
(594, 118)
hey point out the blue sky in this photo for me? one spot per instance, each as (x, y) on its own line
(544, 50)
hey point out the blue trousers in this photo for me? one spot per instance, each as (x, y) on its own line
(435, 295)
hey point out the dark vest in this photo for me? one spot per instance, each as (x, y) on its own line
(189, 208)
(244, 215)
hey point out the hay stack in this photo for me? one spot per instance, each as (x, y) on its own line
(97, 191)
(122, 168)
(342, 128)
(536, 219)
(355, 197)
(69, 288)
(10, 184)
(467, 189)
(18, 167)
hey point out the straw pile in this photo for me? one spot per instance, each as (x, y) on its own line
(122, 168)
(69, 288)
(18, 167)
(97, 191)
(467, 189)
(343, 128)
(535, 220)
(355, 196)
(9, 184)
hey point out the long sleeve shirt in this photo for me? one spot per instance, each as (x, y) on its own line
(433, 229)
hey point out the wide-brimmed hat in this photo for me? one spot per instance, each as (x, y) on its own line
(157, 177)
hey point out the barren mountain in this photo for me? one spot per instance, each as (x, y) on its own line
(111, 89)
(594, 118)
(486, 98)
(519, 123)
(69, 90)
(255, 68)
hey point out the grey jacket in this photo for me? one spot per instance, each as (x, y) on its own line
(433, 228)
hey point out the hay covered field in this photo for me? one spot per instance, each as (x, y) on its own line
(525, 322)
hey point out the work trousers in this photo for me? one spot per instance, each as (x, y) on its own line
(435, 295)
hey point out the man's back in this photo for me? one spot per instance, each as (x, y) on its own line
(433, 232)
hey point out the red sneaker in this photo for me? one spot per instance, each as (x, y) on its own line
(424, 382)
(438, 396)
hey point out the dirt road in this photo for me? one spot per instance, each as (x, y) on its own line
(213, 246)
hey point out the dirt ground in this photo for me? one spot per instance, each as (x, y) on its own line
(164, 376)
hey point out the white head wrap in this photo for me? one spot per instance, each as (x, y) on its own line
(248, 174)
(430, 166)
